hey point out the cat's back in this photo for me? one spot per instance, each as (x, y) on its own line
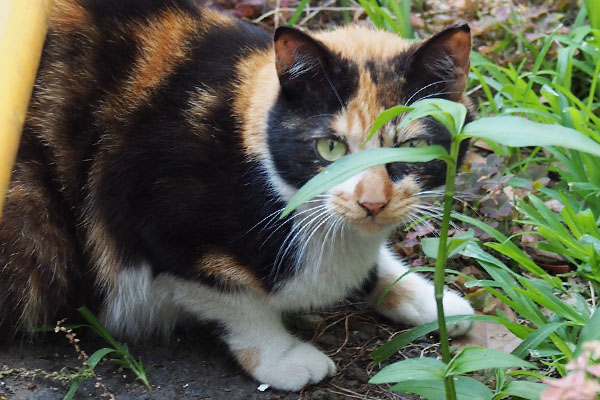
(111, 69)
(126, 93)
(120, 53)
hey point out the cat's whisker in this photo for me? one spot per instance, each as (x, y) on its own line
(437, 217)
(320, 115)
(425, 218)
(270, 216)
(438, 94)
(309, 237)
(422, 220)
(427, 206)
(407, 102)
(294, 234)
(430, 193)
(325, 238)
(299, 225)
(320, 207)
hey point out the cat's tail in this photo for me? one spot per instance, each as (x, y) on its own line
(37, 254)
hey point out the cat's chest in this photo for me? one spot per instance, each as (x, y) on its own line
(328, 268)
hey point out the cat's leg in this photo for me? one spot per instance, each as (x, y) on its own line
(256, 335)
(411, 300)
(270, 354)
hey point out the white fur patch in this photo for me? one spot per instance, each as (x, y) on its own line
(139, 305)
(280, 187)
(419, 305)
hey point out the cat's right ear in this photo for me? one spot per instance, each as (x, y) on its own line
(443, 61)
(301, 62)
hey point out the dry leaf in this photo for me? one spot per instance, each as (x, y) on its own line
(490, 336)
(482, 145)
(474, 158)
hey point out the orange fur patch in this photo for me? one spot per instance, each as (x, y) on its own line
(103, 252)
(33, 307)
(226, 269)
(248, 358)
(258, 87)
(361, 43)
(68, 16)
(163, 44)
(397, 295)
(356, 119)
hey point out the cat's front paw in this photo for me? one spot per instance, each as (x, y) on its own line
(293, 368)
(457, 305)
(416, 306)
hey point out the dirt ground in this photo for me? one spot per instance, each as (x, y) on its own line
(196, 365)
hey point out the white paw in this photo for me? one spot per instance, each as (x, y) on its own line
(420, 308)
(457, 305)
(295, 368)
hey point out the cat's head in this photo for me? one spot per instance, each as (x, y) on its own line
(333, 85)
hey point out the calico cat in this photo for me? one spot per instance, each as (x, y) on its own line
(161, 144)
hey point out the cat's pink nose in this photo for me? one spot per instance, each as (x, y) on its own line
(372, 208)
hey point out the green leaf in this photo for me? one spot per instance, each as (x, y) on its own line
(522, 389)
(97, 326)
(385, 117)
(472, 359)
(390, 348)
(534, 339)
(590, 332)
(455, 244)
(98, 355)
(466, 389)
(298, 12)
(73, 388)
(448, 113)
(539, 292)
(350, 165)
(518, 132)
(411, 369)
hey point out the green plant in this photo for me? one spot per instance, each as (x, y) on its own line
(391, 15)
(508, 131)
(125, 360)
(558, 85)
(550, 91)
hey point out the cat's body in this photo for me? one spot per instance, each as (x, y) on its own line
(161, 144)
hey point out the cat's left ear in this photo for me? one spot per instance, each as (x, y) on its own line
(444, 60)
(301, 61)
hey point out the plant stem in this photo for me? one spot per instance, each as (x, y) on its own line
(440, 264)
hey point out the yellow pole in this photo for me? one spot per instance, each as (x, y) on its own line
(23, 26)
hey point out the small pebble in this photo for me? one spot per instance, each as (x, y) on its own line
(262, 387)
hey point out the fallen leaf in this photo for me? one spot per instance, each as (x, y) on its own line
(555, 269)
(490, 336)
(482, 145)
(474, 158)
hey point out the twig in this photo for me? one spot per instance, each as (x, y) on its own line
(346, 338)
(278, 10)
(82, 355)
(317, 10)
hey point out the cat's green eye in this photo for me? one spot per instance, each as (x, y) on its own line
(415, 143)
(331, 150)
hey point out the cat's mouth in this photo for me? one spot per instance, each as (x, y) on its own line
(370, 225)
